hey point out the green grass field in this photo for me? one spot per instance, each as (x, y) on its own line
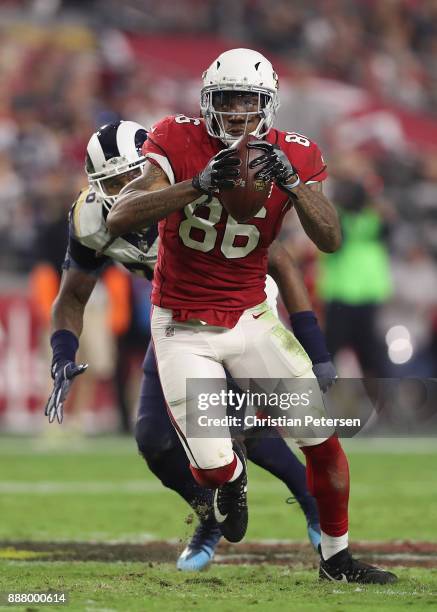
(59, 489)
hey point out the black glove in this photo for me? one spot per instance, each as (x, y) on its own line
(63, 374)
(220, 173)
(275, 165)
(326, 374)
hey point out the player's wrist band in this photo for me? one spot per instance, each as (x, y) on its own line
(64, 345)
(196, 184)
(294, 184)
(306, 329)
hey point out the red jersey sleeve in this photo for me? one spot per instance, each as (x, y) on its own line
(158, 146)
(171, 142)
(305, 156)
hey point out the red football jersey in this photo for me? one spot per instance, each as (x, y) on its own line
(209, 266)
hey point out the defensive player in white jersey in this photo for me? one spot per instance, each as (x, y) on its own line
(113, 159)
(208, 290)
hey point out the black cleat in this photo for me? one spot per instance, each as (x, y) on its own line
(230, 504)
(342, 567)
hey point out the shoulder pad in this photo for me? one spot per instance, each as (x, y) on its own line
(174, 122)
(304, 154)
(160, 126)
(295, 141)
(86, 216)
(171, 139)
(174, 130)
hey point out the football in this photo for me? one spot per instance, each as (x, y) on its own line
(249, 195)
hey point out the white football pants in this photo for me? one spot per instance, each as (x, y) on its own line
(259, 347)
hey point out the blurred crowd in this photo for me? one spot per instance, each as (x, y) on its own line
(389, 47)
(67, 66)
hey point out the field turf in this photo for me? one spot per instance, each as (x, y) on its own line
(57, 491)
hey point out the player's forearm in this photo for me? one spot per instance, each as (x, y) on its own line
(284, 270)
(69, 306)
(68, 313)
(318, 217)
(138, 209)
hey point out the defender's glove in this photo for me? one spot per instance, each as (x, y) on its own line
(275, 166)
(63, 376)
(220, 173)
(64, 369)
(326, 374)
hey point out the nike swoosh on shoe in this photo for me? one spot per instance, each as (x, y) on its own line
(343, 576)
(219, 517)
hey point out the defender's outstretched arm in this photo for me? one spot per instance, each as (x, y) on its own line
(69, 306)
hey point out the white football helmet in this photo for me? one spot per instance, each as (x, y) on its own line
(115, 149)
(241, 70)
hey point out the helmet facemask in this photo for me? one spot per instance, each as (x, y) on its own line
(105, 183)
(264, 104)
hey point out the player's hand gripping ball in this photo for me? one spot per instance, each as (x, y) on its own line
(220, 172)
(249, 193)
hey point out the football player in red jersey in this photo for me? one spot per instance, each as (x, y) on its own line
(113, 159)
(209, 302)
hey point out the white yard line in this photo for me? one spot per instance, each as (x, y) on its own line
(42, 445)
(53, 487)
(139, 487)
(47, 487)
(390, 446)
(46, 445)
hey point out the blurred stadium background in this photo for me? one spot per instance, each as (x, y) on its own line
(359, 77)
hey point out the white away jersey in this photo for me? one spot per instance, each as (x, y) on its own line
(88, 234)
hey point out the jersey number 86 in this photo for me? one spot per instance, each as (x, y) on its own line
(232, 230)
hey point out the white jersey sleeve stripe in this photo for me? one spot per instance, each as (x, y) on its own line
(164, 164)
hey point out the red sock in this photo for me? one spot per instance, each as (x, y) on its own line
(215, 477)
(328, 482)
